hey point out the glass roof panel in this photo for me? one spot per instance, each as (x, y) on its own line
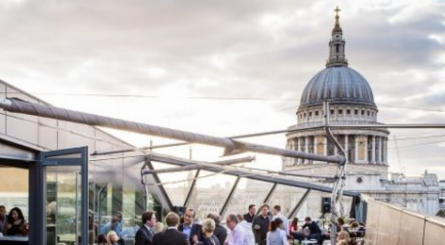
(176, 184)
(248, 192)
(287, 197)
(210, 192)
(312, 207)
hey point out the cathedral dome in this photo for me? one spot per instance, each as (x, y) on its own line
(337, 84)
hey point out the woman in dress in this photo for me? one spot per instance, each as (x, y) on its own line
(16, 225)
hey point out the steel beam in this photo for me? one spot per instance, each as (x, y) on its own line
(230, 146)
(231, 193)
(160, 190)
(269, 195)
(195, 167)
(298, 206)
(192, 187)
(244, 173)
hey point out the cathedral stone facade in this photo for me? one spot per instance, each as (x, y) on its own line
(351, 102)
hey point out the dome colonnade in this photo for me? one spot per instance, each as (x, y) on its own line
(351, 102)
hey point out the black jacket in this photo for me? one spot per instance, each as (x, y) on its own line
(196, 230)
(221, 233)
(313, 227)
(143, 236)
(210, 241)
(170, 237)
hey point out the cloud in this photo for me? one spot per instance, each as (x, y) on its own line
(172, 50)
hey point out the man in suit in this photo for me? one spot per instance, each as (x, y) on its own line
(171, 236)
(260, 225)
(145, 234)
(192, 231)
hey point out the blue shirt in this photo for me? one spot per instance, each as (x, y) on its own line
(187, 230)
(277, 237)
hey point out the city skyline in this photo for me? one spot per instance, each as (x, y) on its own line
(229, 68)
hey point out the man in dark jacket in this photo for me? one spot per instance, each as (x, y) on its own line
(145, 234)
(315, 232)
(220, 232)
(171, 236)
(248, 217)
(260, 225)
(192, 231)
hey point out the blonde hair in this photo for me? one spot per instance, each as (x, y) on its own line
(342, 242)
(344, 235)
(109, 234)
(208, 225)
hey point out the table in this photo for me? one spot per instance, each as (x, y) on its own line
(309, 242)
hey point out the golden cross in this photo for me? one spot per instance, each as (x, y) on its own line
(337, 10)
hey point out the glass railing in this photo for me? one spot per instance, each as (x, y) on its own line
(388, 224)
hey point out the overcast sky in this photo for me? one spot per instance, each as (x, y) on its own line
(250, 59)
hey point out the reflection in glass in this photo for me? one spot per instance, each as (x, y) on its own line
(63, 204)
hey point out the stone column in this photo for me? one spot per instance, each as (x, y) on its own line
(335, 147)
(306, 142)
(373, 150)
(385, 150)
(379, 161)
(325, 143)
(356, 148)
(315, 144)
(299, 149)
(366, 145)
(347, 146)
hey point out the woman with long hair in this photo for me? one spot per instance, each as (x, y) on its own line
(343, 236)
(276, 236)
(16, 225)
(293, 227)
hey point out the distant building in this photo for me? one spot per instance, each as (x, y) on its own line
(351, 102)
(442, 195)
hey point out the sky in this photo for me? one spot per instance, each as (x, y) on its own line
(229, 67)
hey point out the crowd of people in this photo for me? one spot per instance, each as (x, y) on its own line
(348, 234)
(268, 227)
(13, 223)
